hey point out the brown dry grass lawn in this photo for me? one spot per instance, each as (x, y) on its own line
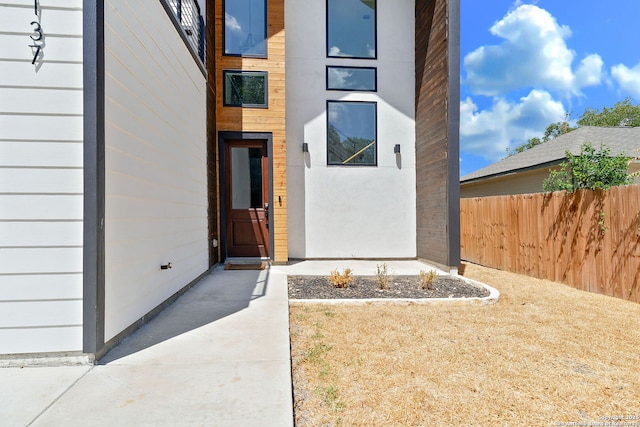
(546, 354)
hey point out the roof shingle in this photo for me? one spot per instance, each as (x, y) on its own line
(625, 140)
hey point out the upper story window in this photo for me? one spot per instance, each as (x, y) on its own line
(245, 89)
(245, 27)
(351, 78)
(351, 29)
(351, 133)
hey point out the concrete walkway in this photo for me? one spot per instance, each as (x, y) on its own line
(218, 356)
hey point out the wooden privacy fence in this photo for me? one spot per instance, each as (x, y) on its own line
(589, 239)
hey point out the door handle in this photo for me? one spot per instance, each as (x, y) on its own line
(266, 214)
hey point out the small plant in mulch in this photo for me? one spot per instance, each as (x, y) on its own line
(341, 280)
(427, 279)
(382, 276)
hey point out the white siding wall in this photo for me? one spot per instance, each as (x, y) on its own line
(334, 211)
(156, 177)
(41, 179)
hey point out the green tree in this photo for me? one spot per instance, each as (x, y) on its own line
(590, 169)
(246, 89)
(623, 113)
(356, 145)
(552, 131)
(556, 129)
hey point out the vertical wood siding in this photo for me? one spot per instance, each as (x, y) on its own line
(589, 239)
(432, 135)
(261, 120)
(41, 179)
(212, 130)
(156, 162)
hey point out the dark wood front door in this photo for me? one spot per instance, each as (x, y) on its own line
(247, 200)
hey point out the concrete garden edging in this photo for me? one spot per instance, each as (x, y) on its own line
(492, 298)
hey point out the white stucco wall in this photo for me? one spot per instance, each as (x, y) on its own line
(156, 176)
(347, 211)
(41, 178)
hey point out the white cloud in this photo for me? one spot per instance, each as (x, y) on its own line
(232, 23)
(533, 54)
(589, 72)
(335, 51)
(336, 112)
(490, 133)
(338, 77)
(627, 78)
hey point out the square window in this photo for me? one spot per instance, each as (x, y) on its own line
(245, 89)
(351, 78)
(245, 28)
(351, 133)
(351, 29)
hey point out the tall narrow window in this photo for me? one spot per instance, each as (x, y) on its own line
(351, 29)
(351, 133)
(245, 27)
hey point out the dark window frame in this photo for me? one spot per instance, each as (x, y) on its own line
(375, 35)
(265, 74)
(375, 132)
(375, 78)
(266, 34)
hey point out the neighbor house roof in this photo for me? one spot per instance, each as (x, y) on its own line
(624, 140)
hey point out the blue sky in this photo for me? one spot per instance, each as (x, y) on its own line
(526, 64)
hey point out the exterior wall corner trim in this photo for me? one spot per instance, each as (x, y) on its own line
(93, 263)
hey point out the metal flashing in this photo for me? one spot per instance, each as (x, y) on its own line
(453, 140)
(93, 263)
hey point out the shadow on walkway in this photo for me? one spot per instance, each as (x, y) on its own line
(218, 295)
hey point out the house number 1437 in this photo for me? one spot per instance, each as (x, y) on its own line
(38, 36)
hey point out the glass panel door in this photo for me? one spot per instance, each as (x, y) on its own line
(247, 198)
(246, 178)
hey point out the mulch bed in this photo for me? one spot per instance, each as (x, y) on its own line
(367, 287)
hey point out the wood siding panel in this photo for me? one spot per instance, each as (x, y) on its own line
(41, 179)
(41, 154)
(271, 120)
(35, 339)
(40, 260)
(40, 207)
(45, 233)
(65, 313)
(41, 287)
(156, 162)
(436, 227)
(212, 145)
(26, 180)
(50, 128)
